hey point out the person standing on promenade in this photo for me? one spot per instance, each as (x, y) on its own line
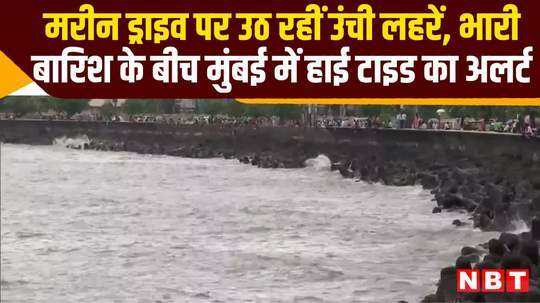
(417, 121)
(483, 124)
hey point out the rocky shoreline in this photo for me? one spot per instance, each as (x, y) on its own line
(495, 200)
(495, 178)
(509, 251)
(495, 203)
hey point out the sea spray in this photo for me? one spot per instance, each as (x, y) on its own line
(78, 142)
(321, 162)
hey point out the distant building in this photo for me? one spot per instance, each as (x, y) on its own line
(185, 105)
(98, 103)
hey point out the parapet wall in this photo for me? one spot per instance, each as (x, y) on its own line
(494, 176)
(334, 142)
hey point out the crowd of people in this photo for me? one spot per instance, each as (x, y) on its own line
(521, 124)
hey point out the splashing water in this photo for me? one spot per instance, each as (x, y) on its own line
(321, 163)
(520, 226)
(77, 142)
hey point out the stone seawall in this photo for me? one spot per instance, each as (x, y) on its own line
(495, 177)
(404, 144)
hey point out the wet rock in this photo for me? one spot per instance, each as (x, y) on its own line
(455, 200)
(535, 180)
(463, 262)
(492, 259)
(446, 200)
(487, 264)
(446, 292)
(530, 250)
(483, 221)
(536, 204)
(468, 250)
(525, 236)
(468, 204)
(345, 172)
(509, 251)
(401, 180)
(496, 247)
(265, 162)
(431, 299)
(436, 210)
(428, 181)
(523, 189)
(494, 193)
(438, 166)
(511, 241)
(471, 258)
(458, 223)
(515, 261)
(532, 296)
(228, 155)
(535, 228)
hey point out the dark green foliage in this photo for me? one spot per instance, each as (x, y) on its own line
(21, 106)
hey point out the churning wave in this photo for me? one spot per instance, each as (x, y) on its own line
(321, 162)
(77, 142)
(520, 226)
(122, 226)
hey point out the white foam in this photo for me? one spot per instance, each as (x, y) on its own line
(520, 226)
(321, 162)
(77, 142)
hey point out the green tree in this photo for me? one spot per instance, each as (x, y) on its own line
(211, 107)
(165, 106)
(19, 106)
(69, 106)
(288, 111)
(107, 110)
(136, 107)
